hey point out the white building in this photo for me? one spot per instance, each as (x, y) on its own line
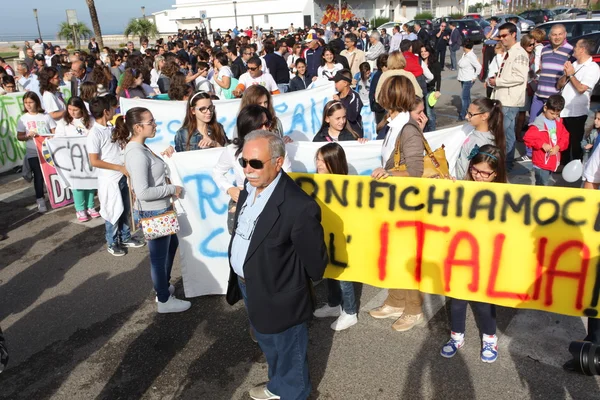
(185, 14)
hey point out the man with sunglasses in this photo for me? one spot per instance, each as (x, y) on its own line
(510, 83)
(277, 234)
(255, 76)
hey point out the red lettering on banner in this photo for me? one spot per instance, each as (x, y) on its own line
(539, 269)
(420, 230)
(579, 276)
(384, 239)
(472, 262)
(496, 257)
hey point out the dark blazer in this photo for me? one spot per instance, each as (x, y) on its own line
(423, 36)
(238, 68)
(75, 86)
(287, 250)
(277, 68)
(456, 39)
(299, 83)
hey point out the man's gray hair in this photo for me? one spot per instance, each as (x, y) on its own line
(375, 35)
(23, 65)
(276, 145)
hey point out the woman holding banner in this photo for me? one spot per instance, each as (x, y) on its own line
(405, 135)
(153, 195)
(77, 122)
(200, 129)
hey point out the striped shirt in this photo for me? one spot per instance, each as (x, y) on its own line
(552, 64)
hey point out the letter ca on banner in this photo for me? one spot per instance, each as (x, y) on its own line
(511, 245)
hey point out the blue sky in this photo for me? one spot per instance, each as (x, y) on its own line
(18, 19)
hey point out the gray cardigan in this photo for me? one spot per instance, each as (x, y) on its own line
(148, 177)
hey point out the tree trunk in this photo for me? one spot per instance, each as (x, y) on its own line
(95, 22)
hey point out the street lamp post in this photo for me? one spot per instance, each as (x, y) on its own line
(235, 12)
(37, 22)
(143, 12)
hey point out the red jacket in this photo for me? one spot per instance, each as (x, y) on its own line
(413, 64)
(537, 135)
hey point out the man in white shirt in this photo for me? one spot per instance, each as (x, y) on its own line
(255, 76)
(38, 47)
(396, 39)
(578, 82)
(468, 70)
(28, 82)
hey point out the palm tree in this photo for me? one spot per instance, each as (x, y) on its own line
(95, 22)
(73, 32)
(141, 27)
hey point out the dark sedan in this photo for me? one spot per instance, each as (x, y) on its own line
(470, 29)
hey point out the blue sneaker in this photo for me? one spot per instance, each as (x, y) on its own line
(489, 348)
(457, 340)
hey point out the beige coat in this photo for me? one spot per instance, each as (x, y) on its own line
(355, 58)
(396, 72)
(511, 83)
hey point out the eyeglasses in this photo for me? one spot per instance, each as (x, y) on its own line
(252, 68)
(254, 164)
(483, 174)
(503, 36)
(151, 122)
(470, 114)
(204, 110)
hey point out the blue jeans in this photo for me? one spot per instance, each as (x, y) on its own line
(341, 293)
(286, 354)
(465, 97)
(542, 176)
(485, 313)
(121, 231)
(430, 112)
(162, 254)
(510, 115)
(453, 58)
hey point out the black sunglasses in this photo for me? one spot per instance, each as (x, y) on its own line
(254, 164)
(252, 68)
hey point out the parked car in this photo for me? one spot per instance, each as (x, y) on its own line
(595, 37)
(438, 21)
(575, 27)
(538, 16)
(482, 23)
(568, 13)
(473, 16)
(469, 28)
(388, 26)
(524, 24)
(425, 23)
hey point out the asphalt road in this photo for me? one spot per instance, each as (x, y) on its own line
(81, 324)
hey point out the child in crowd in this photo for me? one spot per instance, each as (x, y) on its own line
(335, 126)
(200, 129)
(547, 136)
(34, 122)
(300, 81)
(363, 81)
(77, 122)
(589, 142)
(113, 190)
(486, 164)
(494, 67)
(350, 99)
(341, 300)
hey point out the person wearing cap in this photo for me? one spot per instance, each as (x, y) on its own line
(313, 55)
(255, 76)
(350, 99)
(354, 55)
(377, 48)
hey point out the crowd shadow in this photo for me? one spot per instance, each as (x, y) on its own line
(43, 374)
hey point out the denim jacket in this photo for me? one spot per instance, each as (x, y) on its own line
(181, 138)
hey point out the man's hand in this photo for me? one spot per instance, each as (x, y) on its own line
(569, 69)
(492, 81)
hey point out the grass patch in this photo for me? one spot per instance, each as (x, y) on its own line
(8, 54)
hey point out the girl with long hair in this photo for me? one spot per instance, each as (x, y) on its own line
(34, 122)
(153, 196)
(429, 57)
(341, 300)
(300, 81)
(200, 128)
(159, 62)
(223, 74)
(335, 126)
(363, 81)
(131, 86)
(257, 94)
(328, 66)
(77, 122)
(52, 98)
(486, 164)
(179, 89)
(487, 120)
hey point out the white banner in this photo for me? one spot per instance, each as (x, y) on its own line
(72, 163)
(203, 213)
(12, 151)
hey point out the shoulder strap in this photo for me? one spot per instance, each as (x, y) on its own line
(398, 150)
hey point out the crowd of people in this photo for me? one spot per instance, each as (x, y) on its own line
(398, 76)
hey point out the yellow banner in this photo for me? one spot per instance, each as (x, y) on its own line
(512, 245)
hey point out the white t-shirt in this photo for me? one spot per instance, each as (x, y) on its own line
(99, 141)
(205, 85)
(154, 75)
(325, 72)
(42, 124)
(75, 128)
(224, 71)
(265, 80)
(591, 170)
(578, 104)
(53, 102)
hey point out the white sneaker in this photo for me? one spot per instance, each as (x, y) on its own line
(173, 305)
(171, 292)
(327, 311)
(344, 321)
(41, 203)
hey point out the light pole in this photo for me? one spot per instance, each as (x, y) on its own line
(235, 12)
(37, 22)
(143, 12)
